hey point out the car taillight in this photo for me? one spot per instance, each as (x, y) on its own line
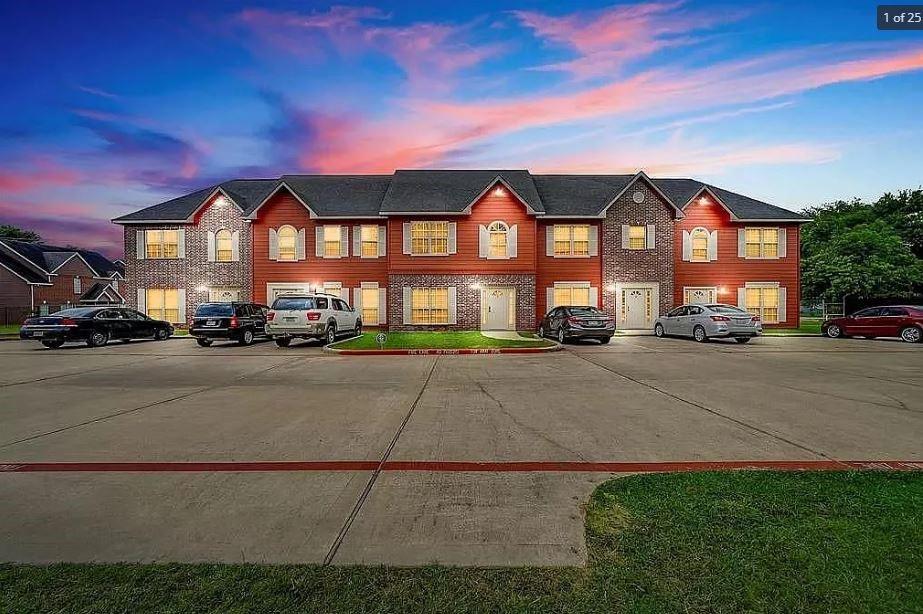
(755, 319)
(313, 316)
(270, 316)
(68, 322)
(233, 323)
(573, 320)
(721, 318)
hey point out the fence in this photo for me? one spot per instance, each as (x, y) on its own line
(15, 315)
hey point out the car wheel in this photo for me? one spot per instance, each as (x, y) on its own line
(911, 334)
(834, 331)
(246, 337)
(658, 330)
(358, 328)
(161, 334)
(742, 339)
(331, 334)
(98, 339)
(204, 342)
(53, 343)
(698, 333)
(605, 340)
(283, 342)
(562, 338)
(541, 332)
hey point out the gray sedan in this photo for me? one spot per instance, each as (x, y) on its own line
(703, 322)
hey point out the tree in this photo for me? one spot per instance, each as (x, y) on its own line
(12, 232)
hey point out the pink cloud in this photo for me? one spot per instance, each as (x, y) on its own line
(42, 172)
(65, 223)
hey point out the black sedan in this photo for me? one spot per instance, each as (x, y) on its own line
(565, 323)
(94, 326)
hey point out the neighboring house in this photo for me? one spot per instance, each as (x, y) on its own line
(490, 249)
(35, 277)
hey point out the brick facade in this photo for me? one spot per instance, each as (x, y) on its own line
(468, 299)
(643, 265)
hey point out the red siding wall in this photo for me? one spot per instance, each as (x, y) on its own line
(730, 271)
(550, 270)
(63, 289)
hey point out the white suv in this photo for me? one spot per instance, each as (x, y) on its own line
(310, 316)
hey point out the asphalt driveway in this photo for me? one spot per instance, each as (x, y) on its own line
(637, 399)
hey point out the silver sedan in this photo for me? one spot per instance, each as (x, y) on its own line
(703, 322)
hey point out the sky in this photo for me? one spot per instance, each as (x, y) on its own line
(114, 106)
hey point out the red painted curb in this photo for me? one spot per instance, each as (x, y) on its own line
(444, 352)
(460, 466)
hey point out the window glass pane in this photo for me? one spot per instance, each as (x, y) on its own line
(430, 305)
(154, 243)
(223, 247)
(581, 240)
(171, 244)
(498, 238)
(332, 241)
(770, 242)
(294, 304)
(699, 245)
(370, 305)
(637, 237)
(287, 237)
(369, 239)
(562, 235)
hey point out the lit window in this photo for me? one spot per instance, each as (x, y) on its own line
(78, 285)
(571, 240)
(224, 251)
(287, 238)
(637, 237)
(763, 301)
(162, 243)
(498, 235)
(333, 287)
(430, 305)
(332, 242)
(369, 239)
(163, 304)
(699, 238)
(429, 238)
(369, 305)
(571, 294)
(762, 242)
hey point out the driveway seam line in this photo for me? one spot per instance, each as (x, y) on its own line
(363, 496)
(83, 372)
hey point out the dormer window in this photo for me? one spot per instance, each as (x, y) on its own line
(699, 238)
(287, 237)
(224, 246)
(498, 240)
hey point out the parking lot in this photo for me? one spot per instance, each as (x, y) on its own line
(637, 399)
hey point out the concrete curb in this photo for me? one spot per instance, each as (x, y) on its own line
(443, 352)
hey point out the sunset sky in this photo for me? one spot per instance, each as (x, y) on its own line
(110, 107)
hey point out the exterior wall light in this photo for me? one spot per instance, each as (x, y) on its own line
(475, 286)
(722, 290)
(221, 201)
(703, 200)
(499, 191)
(610, 288)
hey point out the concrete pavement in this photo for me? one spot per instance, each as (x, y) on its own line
(637, 399)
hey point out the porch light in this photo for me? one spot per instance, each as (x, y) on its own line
(221, 201)
(722, 290)
(703, 200)
(499, 191)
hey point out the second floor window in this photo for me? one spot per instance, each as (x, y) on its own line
(429, 238)
(332, 241)
(162, 244)
(287, 238)
(699, 238)
(572, 240)
(224, 248)
(762, 242)
(637, 237)
(369, 240)
(78, 285)
(499, 234)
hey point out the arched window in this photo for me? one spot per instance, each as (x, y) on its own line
(498, 233)
(224, 248)
(699, 238)
(287, 238)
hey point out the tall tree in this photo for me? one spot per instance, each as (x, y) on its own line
(12, 232)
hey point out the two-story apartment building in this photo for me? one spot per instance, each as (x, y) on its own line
(467, 249)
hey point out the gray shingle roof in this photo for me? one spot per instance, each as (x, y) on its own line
(46, 258)
(450, 191)
(9, 259)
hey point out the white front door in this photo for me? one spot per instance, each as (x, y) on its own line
(637, 308)
(700, 296)
(496, 309)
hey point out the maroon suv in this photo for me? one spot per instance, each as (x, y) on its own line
(904, 321)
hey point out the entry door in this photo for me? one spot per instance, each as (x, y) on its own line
(637, 307)
(497, 309)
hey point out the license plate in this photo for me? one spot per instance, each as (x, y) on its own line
(289, 319)
(596, 323)
(211, 323)
(742, 321)
(38, 333)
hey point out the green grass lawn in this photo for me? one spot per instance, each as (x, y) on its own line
(809, 326)
(439, 340)
(9, 329)
(690, 542)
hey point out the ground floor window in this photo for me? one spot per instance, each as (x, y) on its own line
(163, 304)
(430, 305)
(571, 294)
(370, 305)
(333, 287)
(763, 301)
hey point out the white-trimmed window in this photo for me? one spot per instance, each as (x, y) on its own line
(700, 295)
(764, 300)
(637, 237)
(163, 304)
(78, 285)
(699, 239)
(369, 301)
(288, 237)
(332, 237)
(565, 294)
(498, 240)
(761, 242)
(429, 238)
(571, 240)
(224, 245)
(333, 287)
(162, 244)
(429, 305)
(369, 241)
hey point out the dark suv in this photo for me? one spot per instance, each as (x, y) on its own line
(240, 322)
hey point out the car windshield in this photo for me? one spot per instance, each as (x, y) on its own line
(294, 303)
(215, 309)
(726, 309)
(76, 313)
(584, 311)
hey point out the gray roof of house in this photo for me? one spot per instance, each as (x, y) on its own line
(46, 258)
(450, 191)
(9, 259)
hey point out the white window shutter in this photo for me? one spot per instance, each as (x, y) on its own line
(651, 235)
(346, 295)
(181, 297)
(713, 245)
(783, 247)
(452, 239)
(594, 240)
(549, 241)
(782, 300)
(235, 246)
(357, 240)
(512, 241)
(211, 246)
(140, 245)
(181, 243)
(142, 300)
(300, 245)
(382, 305)
(741, 243)
(344, 241)
(594, 296)
(407, 304)
(687, 246)
(483, 241)
(742, 298)
(453, 305)
(549, 299)
(319, 241)
(273, 244)
(382, 241)
(624, 236)
(406, 238)
(357, 301)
